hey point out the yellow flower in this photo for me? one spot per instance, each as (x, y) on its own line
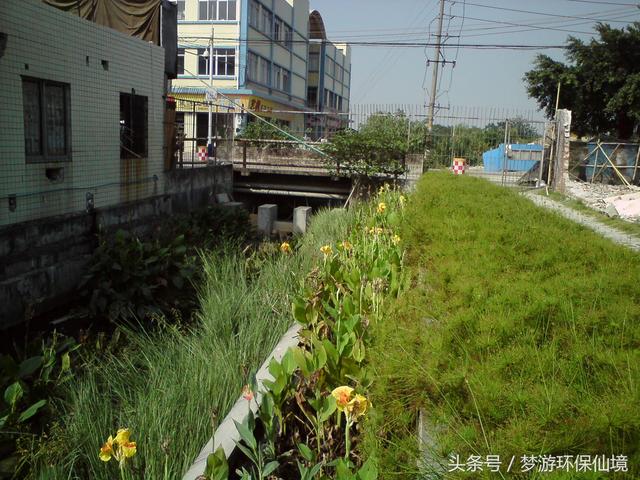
(379, 230)
(346, 245)
(396, 239)
(358, 406)
(128, 449)
(382, 207)
(342, 396)
(285, 247)
(402, 200)
(106, 451)
(326, 250)
(122, 436)
(119, 448)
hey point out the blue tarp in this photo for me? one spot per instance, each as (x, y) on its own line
(522, 157)
(623, 157)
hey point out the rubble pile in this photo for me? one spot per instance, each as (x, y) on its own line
(613, 200)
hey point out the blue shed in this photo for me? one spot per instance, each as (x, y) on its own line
(518, 157)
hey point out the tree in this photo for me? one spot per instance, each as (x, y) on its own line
(600, 83)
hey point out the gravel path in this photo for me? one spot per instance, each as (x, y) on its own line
(611, 233)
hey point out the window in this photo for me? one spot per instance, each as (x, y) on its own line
(226, 9)
(224, 61)
(254, 14)
(133, 125)
(288, 37)
(312, 96)
(252, 66)
(277, 77)
(277, 30)
(217, 10)
(181, 9)
(265, 71)
(47, 120)
(314, 62)
(180, 64)
(266, 19)
(340, 103)
(286, 80)
(258, 69)
(282, 78)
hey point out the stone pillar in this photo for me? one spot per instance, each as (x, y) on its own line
(562, 153)
(301, 217)
(267, 216)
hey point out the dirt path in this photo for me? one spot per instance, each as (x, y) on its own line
(619, 237)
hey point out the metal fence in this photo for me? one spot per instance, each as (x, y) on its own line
(192, 133)
(502, 145)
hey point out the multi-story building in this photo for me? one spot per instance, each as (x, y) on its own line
(260, 51)
(328, 81)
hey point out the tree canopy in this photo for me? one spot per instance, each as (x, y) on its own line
(600, 83)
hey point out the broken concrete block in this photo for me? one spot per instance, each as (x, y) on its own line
(627, 206)
(611, 211)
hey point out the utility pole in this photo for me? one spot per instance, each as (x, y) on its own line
(434, 80)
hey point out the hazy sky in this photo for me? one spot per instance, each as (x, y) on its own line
(480, 77)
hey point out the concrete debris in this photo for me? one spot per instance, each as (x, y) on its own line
(612, 200)
(627, 206)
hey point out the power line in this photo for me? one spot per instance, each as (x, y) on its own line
(513, 24)
(416, 44)
(573, 17)
(603, 3)
(505, 32)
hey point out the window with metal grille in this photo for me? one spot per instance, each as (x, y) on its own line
(133, 125)
(47, 120)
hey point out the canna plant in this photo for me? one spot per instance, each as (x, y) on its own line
(312, 408)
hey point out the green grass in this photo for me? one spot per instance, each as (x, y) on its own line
(629, 227)
(164, 385)
(519, 335)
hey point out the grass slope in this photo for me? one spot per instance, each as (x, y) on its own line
(165, 385)
(520, 334)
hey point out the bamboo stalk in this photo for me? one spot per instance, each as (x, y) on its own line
(635, 167)
(624, 180)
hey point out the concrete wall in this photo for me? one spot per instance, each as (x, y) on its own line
(97, 64)
(42, 261)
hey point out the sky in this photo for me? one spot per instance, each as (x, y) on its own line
(480, 78)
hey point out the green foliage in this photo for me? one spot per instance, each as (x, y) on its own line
(600, 83)
(379, 147)
(168, 383)
(342, 296)
(130, 277)
(520, 324)
(217, 467)
(258, 130)
(28, 388)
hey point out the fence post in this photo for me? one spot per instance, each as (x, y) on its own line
(244, 154)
